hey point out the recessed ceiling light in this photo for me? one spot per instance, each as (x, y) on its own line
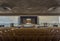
(29, 8)
(50, 9)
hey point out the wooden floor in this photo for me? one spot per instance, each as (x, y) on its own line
(30, 34)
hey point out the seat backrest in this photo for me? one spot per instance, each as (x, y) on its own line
(30, 34)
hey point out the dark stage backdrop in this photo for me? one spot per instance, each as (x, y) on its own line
(33, 18)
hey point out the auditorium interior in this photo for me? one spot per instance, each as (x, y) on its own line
(37, 21)
(29, 28)
(29, 20)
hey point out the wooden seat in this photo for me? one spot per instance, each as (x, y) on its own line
(29, 34)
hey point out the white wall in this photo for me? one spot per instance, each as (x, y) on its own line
(9, 19)
(48, 19)
(6, 20)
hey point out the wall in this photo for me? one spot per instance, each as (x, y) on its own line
(6, 20)
(48, 19)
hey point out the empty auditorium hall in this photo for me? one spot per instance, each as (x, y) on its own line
(29, 28)
(29, 20)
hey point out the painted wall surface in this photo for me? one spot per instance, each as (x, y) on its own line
(6, 20)
(9, 19)
(48, 19)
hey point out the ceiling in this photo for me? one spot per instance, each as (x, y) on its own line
(31, 6)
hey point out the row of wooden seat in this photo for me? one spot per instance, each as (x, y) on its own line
(29, 34)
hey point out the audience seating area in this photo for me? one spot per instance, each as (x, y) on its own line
(29, 34)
